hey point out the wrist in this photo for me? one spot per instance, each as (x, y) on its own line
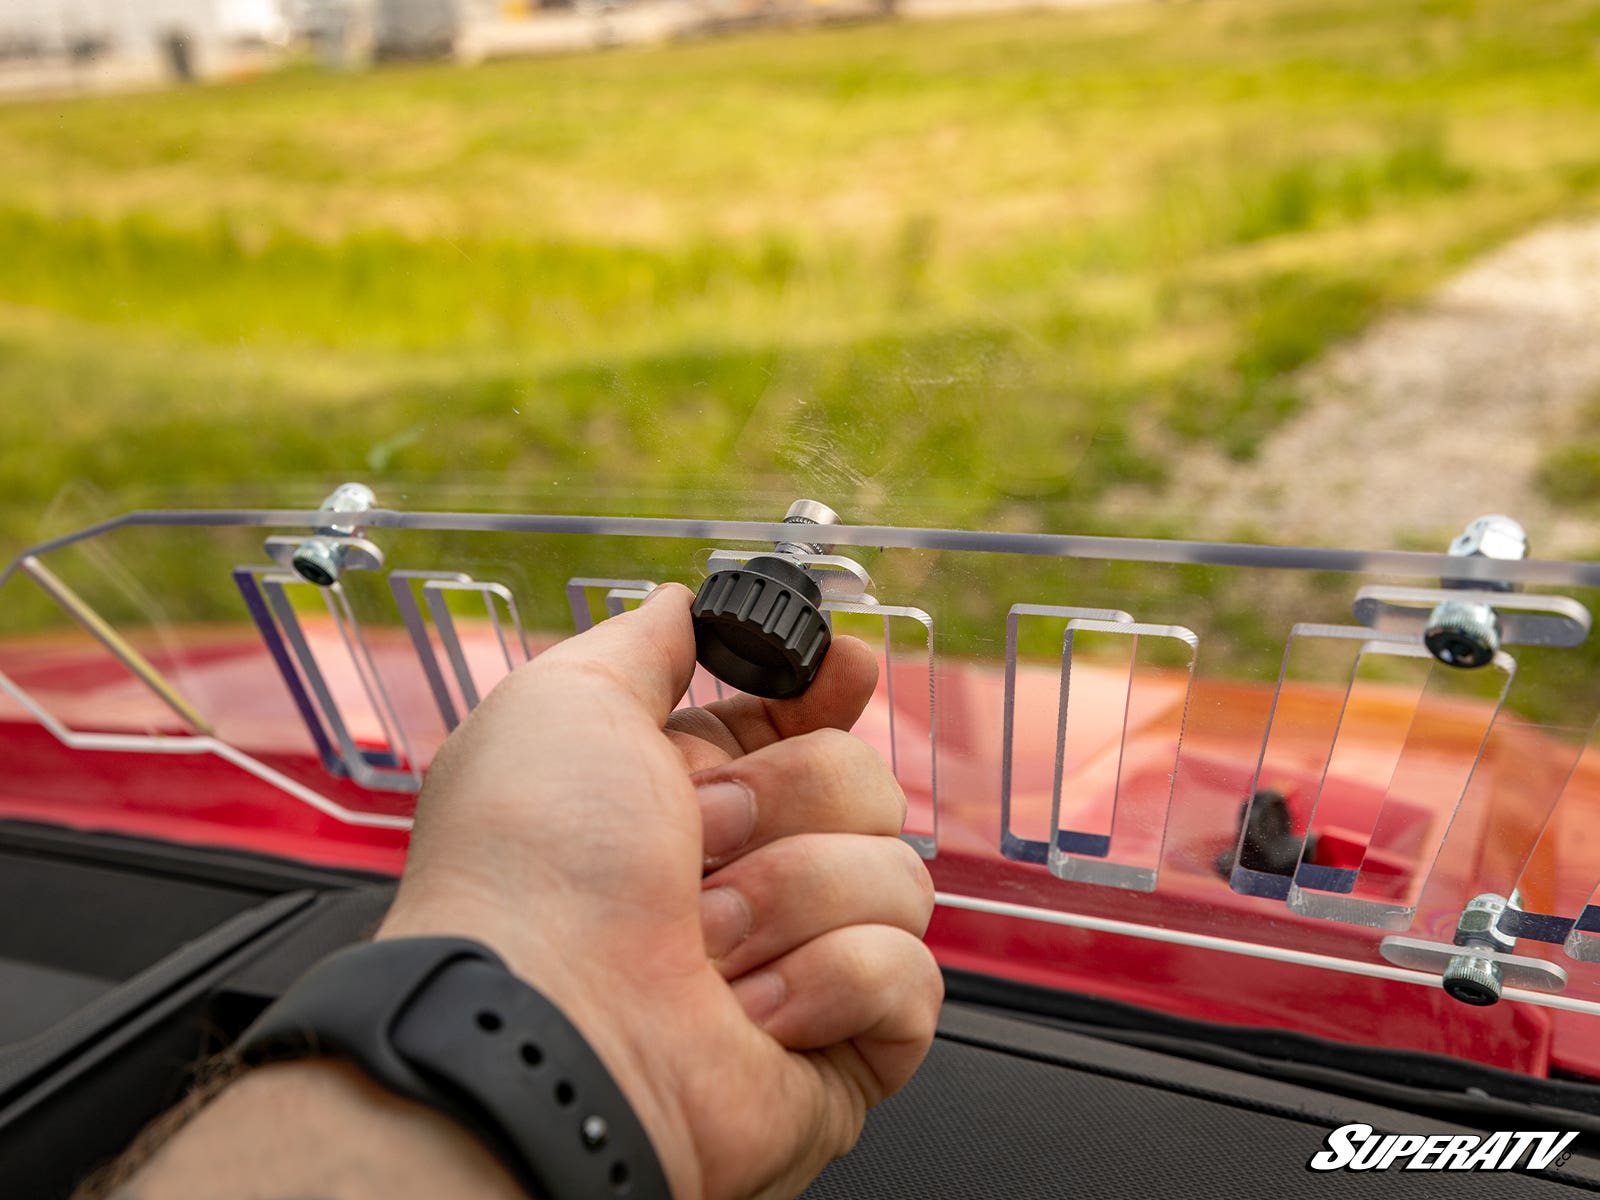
(631, 1053)
(321, 1127)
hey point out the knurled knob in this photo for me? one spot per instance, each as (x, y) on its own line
(758, 627)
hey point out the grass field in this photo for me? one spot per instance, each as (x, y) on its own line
(969, 272)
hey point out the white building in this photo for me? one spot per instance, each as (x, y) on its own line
(140, 28)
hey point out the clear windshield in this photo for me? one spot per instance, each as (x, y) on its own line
(1081, 321)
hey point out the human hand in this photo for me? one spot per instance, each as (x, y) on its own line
(718, 899)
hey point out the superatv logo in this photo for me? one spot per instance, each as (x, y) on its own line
(1359, 1148)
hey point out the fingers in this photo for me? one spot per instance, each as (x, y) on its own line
(835, 700)
(776, 899)
(563, 762)
(873, 986)
(647, 653)
(825, 781)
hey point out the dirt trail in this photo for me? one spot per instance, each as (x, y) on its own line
(1429, 418)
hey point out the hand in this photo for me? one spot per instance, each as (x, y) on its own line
(718, 898)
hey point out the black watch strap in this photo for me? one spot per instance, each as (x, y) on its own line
(444, 1022)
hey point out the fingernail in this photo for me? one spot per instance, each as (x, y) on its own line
(761, 994)
(660, 589)
(727, 818)
(725, 917)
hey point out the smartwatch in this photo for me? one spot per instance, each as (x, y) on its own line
(443, 1021)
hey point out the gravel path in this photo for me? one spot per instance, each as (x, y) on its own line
(1431, 417)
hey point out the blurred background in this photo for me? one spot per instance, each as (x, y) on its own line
(1320, 271)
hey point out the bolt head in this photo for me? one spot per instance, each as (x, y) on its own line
(346, 498)
(1494, 536)
(1480, 923)
(320, 562)
(1462, 634)
(350, 497)
(1473, 979)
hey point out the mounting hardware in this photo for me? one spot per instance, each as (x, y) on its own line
(1480, 922)
(759, 627)
(1479, 964)
(322, 559)
(807, 512)
(1466, 633)
(1475, 978)
(1493, 536)
(1462, 634)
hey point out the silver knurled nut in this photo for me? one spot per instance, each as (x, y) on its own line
(1463, 633)
(807, 512)
(320, 561)
(1473, 979)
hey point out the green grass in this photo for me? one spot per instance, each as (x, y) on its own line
(968, 272)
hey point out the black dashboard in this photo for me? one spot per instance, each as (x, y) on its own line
(124, 963)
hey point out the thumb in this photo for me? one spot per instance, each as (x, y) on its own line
(647, 653)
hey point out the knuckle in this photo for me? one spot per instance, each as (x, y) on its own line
(578, 670)
(810, 862)
(921, 881)
(929, 990)
(845, 768)
(697, 723)
(863, 959)
(831, 763)
(599, 671)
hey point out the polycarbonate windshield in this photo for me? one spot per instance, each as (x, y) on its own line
(1268, 754)
(1152, 358)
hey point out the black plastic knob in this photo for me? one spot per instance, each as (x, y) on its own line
(758, 627)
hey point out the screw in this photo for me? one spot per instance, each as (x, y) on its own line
(1475, 977)
(1464, 633)
(807, 512)
(321, 561)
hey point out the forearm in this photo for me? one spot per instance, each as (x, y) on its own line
(317, 1130)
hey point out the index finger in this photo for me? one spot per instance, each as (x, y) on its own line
(646, 654)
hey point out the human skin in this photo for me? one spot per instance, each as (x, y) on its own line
(716, 897)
